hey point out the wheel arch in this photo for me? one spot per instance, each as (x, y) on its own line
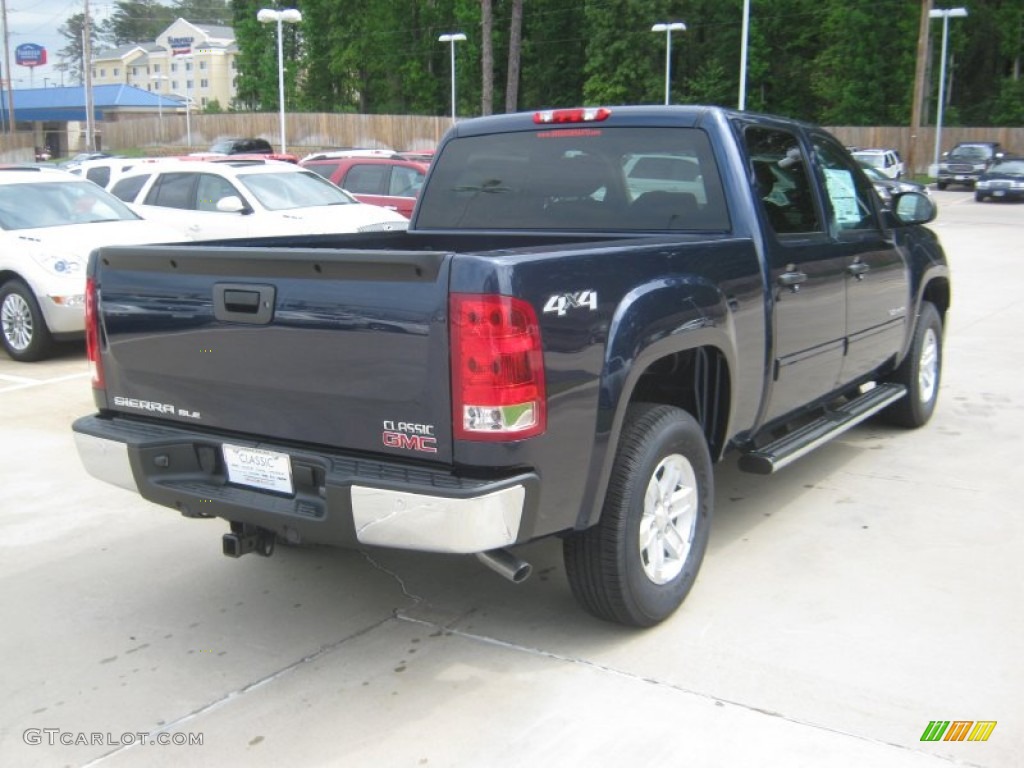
(694, 375)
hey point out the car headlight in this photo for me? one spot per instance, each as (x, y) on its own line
(60, 265)
(1017, 185)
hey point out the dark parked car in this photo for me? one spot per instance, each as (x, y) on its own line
(965, 162)
(887, 187)
(242, 147)
(1003, 181)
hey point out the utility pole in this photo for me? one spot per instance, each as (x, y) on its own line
(90, 129)
(7, 69)
(920, 85)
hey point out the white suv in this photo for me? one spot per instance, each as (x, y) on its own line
(50, 220)
(885, 161)
(217, 199)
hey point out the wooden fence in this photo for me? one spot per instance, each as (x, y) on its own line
(169, 135)
(305, 132)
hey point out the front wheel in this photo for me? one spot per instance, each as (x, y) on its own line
(23, 330)
(639, 562)
(940, 184)
(979, 197)
(920, 372)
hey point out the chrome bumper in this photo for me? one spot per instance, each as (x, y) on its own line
(485, 517)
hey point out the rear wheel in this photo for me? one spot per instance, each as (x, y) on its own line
(23, 330)
(639, 562)
(920, 372)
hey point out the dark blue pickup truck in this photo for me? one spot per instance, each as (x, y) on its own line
(589, 309)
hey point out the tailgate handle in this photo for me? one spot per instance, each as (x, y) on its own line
(243, 303)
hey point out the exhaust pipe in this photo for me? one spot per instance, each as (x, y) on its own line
(503, 562)
(244, 539)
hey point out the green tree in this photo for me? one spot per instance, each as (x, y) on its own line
(135, 21)
(72, 54)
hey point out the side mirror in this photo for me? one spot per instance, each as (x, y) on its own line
(231, 204)
(913, 208)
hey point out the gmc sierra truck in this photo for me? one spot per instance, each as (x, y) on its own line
(589, 309)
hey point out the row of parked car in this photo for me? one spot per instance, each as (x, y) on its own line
(51, 218)
(983, 166)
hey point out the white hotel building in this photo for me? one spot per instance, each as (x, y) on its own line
(186, 60)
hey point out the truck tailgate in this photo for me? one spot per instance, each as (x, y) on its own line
(346, 349)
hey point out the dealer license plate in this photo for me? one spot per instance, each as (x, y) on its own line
(999, 193)
(257, 468)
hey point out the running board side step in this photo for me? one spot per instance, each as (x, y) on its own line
(787, 449)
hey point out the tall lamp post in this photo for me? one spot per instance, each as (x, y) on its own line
(945, 14)
(268, 16)
(452, 39)
(668, 29)
(159, 102)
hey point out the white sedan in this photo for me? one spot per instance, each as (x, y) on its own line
(232, 198)
(50, 221)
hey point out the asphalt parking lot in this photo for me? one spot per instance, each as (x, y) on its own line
(871, 588)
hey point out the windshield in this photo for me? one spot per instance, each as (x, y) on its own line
(1012, 167)
(874, 159)
(58, 203)
(299, 189)
(970, 153)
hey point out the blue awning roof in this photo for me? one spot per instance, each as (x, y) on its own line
(68, 103)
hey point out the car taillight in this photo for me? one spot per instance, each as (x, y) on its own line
(582, 115)
(92, 334)
(497, 363)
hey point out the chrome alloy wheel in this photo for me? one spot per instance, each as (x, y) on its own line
(669, 519)
(16, 322)
(928, 367)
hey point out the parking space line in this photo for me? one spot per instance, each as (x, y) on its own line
(22, 382)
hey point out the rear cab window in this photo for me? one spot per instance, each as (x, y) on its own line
(597, 179)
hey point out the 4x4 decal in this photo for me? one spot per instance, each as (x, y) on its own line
(563, 302)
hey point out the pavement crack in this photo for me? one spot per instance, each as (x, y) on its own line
(398, 579)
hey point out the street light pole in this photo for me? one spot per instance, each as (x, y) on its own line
(292, 16)
(945, 14)
(744, 45)
(452, 39)
(160, 103)
(668, 29)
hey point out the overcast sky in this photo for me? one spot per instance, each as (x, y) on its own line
(37, 21)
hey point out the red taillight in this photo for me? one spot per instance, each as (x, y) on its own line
(582, 115)
(92, 334)
(497, 368)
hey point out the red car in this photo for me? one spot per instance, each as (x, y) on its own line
(390, 182)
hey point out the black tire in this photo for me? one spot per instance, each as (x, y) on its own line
(23, 330)
(979, 197)
(940, 184)
(920, 372)
(612, 573)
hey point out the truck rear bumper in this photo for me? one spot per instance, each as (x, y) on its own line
(338, 499)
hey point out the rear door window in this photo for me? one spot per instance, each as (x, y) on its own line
(366, 179)
(173, 190)
(128, 189)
